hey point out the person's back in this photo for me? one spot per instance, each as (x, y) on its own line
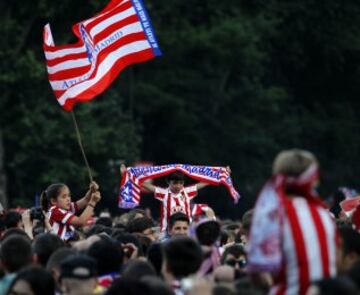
(109, 257)
(44, 245)
(182, 258)
(308, 245)
(292, 234)
(15, 254)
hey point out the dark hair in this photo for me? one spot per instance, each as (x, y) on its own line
(246, 220)
(235, 250)
(40, 281)
(15, 253)
(155, 256)
(133, 212)
(336, 198)
(12, 218)
(137, 269)
(105, 221)
(108, 255)
(157, 286)
(97, 229)
(51, 193)
(224, 237)
(178, 216)
(144, 241)
(58, 257)
(244, 286)
(127, 287)
(335, 286)
(183, 256)
(125, 238)
(350, 240)
(12, 232)
(138, 225)
(176, 176)
(44, 245)
(208, 232)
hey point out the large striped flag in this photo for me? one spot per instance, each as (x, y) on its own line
(120, 35)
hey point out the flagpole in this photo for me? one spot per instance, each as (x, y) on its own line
(78, 135)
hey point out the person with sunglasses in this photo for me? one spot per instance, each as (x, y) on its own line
(233, 264)
(235, 256)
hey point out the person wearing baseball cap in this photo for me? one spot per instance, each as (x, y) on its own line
(78, 275)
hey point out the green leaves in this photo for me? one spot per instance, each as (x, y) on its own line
(238, 82)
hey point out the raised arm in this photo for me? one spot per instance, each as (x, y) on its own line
(145, 185)
(82, 203)
(201, 185)
(88, 212)
(148, 186)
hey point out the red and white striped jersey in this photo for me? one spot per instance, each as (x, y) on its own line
(173, 203)
(308, 247)
(60, 221)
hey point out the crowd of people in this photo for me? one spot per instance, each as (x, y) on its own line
(291, 242)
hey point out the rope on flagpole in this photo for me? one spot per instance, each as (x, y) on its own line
(78, 135)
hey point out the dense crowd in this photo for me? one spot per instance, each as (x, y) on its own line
(289, 243)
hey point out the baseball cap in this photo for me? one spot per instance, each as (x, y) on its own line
(79, 267)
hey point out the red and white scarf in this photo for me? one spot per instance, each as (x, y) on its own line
(129, 195)
(264, 248)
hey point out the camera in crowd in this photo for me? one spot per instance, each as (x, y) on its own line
(36, 213)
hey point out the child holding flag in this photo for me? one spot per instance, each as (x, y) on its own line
(56, 200)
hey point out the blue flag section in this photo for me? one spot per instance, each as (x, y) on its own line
(147, 26)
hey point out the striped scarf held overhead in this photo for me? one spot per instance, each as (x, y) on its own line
(130, 186)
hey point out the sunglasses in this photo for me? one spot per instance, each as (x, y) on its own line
(232, 262)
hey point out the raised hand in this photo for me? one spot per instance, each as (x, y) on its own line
(228, 170)
(93, 187)
(122, 168)
(95, 197)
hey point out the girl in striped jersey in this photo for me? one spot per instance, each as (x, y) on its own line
(56, 200)
(292, 235)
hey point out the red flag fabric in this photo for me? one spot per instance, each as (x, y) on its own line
(349, 205)
(120, 35)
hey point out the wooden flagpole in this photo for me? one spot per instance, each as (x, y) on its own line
(78, 135)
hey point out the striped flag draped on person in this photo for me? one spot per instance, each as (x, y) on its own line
(293, 235)
(120, 35)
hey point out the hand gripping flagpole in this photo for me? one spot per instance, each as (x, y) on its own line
(78, 135)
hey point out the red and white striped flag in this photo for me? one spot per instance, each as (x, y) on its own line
(120, 35)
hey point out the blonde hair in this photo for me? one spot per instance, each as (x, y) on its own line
(293, 162)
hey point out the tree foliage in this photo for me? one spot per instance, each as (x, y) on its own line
(238, 82)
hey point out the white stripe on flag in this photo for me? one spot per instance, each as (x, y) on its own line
(70, 64)
(88, 21)
(103, 68)
(126, 30)
(62, 52)
(112, 20)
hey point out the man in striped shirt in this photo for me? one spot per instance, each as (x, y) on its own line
(293, 235)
